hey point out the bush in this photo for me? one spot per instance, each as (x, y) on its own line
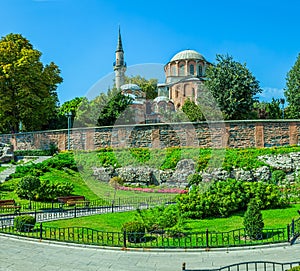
(278, 176)
(223, 198)
(295, 268)
(28, 187)
(135, 230)
(253, 221)
(24, 223)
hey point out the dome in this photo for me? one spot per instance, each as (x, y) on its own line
(161, 99)
(130, 86)
(187, 54)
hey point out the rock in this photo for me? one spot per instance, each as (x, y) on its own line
(136, 175)
(103, 173)
(6, 153)
(217, 174)
(262, 173)
(242, 175)
(284, 162)
(183, 169)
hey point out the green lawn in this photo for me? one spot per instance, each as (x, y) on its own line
(277, 218)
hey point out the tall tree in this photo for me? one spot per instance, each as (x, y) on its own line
(28, 95)
(114, 109)
(292, 91)
(148, 86)
(233, 87)
(192, 111)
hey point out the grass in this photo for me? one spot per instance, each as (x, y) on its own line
(276, 218)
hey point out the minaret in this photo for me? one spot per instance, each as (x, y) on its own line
(119, 64)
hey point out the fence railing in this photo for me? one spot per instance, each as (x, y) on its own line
(251, 266)
(205, 239)
(294, 230)
(133, 201)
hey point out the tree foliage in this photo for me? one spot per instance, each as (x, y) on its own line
(148, 86)
(192, 111)
(233, 87)
(114, 109)
(271, 110)
(253, 221)
(292, 91)
(27, 87)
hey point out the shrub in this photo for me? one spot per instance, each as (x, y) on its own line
(24, 223)
(295, 268)
(278, 176)
(194, 179)
(253, 221)
(28, 186)
(222, 198)
(135, 230)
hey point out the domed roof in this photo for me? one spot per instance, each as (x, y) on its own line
(162, 99)
(130, 86)
(187, 54)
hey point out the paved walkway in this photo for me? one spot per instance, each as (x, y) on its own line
(12, 168)
(28, 255)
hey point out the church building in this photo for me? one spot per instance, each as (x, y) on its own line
(183, 75)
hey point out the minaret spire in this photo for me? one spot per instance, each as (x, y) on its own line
(120, 46)
(119, 64)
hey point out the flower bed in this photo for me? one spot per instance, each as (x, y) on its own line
(154, 190)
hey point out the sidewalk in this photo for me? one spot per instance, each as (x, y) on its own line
(26, 255)
(10, 168)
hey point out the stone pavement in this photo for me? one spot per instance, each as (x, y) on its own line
(32, 255)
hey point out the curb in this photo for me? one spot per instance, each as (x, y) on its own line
(160, 250)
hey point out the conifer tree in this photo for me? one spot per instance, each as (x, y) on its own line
(253, 221)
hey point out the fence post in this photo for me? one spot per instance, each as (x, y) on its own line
(41, 231)
(207, 240)
(52, 205)
(183, 267)
(112, 207)
(35, 215)
(75, 211)
(288, 232)
(293, 227)
(124, 239)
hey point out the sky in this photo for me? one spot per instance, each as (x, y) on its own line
(80, 36)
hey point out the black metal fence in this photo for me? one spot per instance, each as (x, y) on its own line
(205, 239)
(294, 230)
(251, 266)
(135, 202)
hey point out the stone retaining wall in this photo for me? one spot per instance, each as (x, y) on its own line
(232, 134)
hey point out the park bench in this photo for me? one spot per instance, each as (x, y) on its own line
(74, 201)
(9, 204)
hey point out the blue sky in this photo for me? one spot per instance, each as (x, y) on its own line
(80, 36)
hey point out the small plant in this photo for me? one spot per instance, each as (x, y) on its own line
(253, 221)
(278, 176)
(115, 183)
(24, 223)
(295, 268)
(135, 230)
(194, 179)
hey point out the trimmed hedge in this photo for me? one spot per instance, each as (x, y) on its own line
(24, 223)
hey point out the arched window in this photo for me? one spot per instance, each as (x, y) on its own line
(173, 70)
(199, 70)
(192, 69)
(181, 69)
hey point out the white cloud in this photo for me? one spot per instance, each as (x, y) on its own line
(268, 93)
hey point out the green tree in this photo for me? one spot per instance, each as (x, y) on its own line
(253, 221)
(233, 87)
(28, 95)
(148, 86)
(114, 109)
(292, 91)
(192, 111)
(265, 110)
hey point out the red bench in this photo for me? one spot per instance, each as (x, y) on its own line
(9, 204)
